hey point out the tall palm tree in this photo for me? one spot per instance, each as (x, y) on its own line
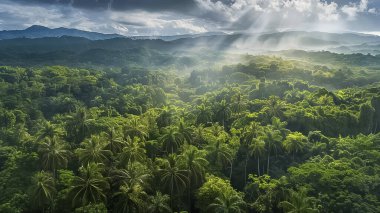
(131, 176)
(299, 202)
(185, 131)
(203, 114)
(193, 160)
(172, 176)
(49, 130)
(272, 139)
(238, 104)
(275, 107)
(250, 134)
(130, 198)
(223, 112)
(227, 203)
(216, 130)
(257, 148)
(295, 142)
(54, 154)
(220, 154)
(135, 128)
(78, 125)
(171, 139)
(93, 151)
(115, 142)
(199, 135)
(43, 189)
(90, 186)
(158, 203)
(132, 152)
(277, 124)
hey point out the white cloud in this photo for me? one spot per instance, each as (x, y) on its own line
(328, 12)
(16, 16)
(374, 11)
(352, 9)
(239, 15)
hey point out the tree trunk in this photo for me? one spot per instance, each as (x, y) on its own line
(171, 196)
(268, 163)
(258, 165)
(231, 171)
(245, 168)
(189, 194)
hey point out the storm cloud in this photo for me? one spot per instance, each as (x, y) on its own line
(171, 17)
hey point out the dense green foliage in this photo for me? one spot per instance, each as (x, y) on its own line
(266, 135)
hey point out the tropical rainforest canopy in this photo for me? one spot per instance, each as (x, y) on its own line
(265, 134)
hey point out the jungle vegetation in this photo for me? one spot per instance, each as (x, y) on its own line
(268, 134)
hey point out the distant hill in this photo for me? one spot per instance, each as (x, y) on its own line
(175, 37)
(273, 41)
(277, 41)
(365, 48)
(325, 57)
(37, 31)
(186, 49)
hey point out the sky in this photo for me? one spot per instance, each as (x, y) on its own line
(175, 17)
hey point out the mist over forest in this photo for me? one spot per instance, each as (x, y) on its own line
(222, 106)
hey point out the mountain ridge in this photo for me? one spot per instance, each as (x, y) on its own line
(38, 31)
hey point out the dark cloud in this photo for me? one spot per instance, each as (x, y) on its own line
(148, 5)
(192, 16)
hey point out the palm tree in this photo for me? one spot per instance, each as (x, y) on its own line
(171, 139)
(120, 177)
(132, 152)
(159, 203)
(223, 112)
(217, 131)
(238, 103)
(185, 131)
(272, 139)
(49, 130)
(227, 203)
(54, 154)
(220, 154)
(135, 174)
(295, 142)
(203, 114)
(90, 186)
(194, 162)
(277, 124)
(78, 126)
(199, 135)
(43, 189)
(257, 148)
(115, 143)
(250, 133)
(135, 128)
(93, 151)
(130, 198)
(275, 107)
(299, 202)
(172, 176)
